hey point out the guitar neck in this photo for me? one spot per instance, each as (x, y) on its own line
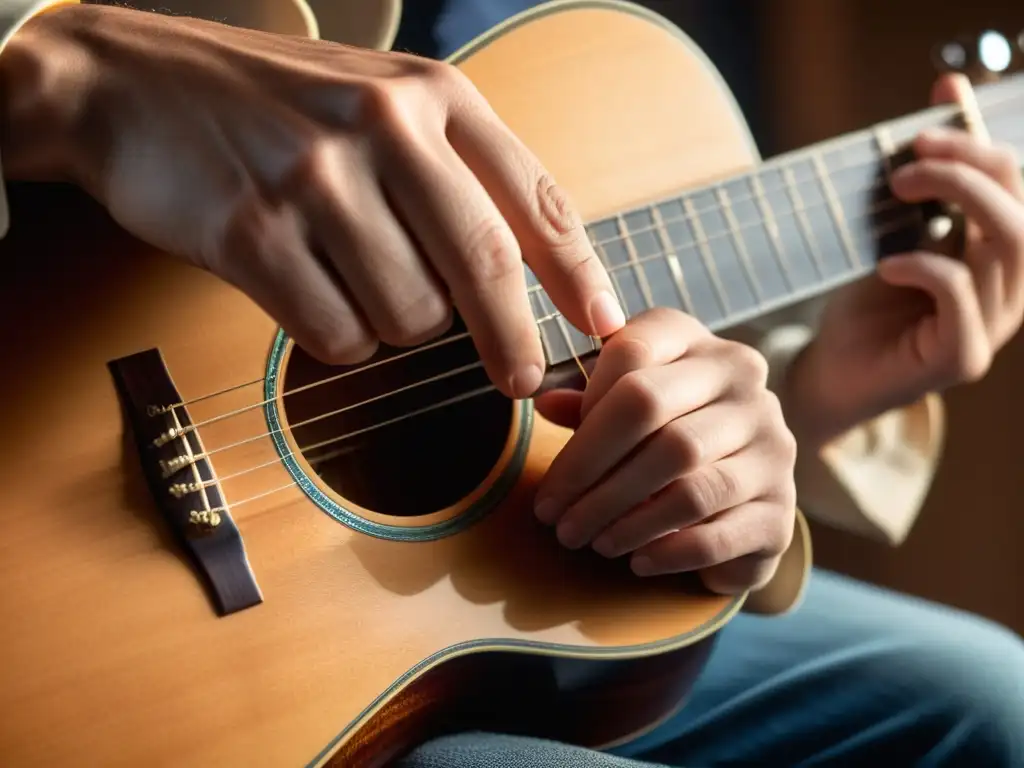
(794, 228)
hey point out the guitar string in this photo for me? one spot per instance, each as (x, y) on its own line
(531, 290)
(191, 487)
(381, 396)
(399, 418)
(881, 207)
(684, 219)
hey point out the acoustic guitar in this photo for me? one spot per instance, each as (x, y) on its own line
(217, 552)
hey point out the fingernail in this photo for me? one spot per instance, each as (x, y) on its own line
(546, 511)
(525, 382)
(642, 566)
(606, 314)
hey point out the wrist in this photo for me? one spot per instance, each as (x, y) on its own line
(802, 392)
(38, 69)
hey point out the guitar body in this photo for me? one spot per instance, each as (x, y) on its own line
(405, 590)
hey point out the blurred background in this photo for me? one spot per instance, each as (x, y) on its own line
(807, 70)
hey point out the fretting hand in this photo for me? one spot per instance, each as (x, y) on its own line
(680, 456)
(354, 194)
(924, 322)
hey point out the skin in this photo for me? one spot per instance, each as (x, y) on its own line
(359, 197)
(924, 322)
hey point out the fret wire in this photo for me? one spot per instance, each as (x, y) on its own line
(836, 209)
(889, 150)
(641, 276)
(545, 343)
(740, 243)
(881, 135)
(805, 226)
(887, 147)
(772, 227)
(686, 219)
(669, 254)
(697, 211)
(770, 165)
(705, 253)
(879, 207)
(602, 255)
(823, 286)
(838, 143)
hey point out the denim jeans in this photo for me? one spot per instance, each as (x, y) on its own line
(855, 675)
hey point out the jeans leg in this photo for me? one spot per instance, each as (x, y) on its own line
(855, 674)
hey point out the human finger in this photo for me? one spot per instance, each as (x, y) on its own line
(686, 445)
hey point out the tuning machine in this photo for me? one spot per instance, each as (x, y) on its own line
(984, 57)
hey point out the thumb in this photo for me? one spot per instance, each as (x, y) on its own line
(956, 341)
(564, 407)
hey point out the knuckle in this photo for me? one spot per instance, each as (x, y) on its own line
(562, 223)
(337, 346)
(641, 397)
(750, 364)
(686, 448)
(699, 492)
(315, 167)
(418, 321)
(785, 530)
(445, 77)
(972, 362)
(629, 351)
(775, 420)
(710, 545)
(681, 324)
(491, 254)
(958, 174)
(243, 227)
(778, 538)
(380, 103)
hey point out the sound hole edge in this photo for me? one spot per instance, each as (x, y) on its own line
(510, 424)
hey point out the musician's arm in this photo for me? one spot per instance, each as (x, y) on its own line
(871, 481)
(15, 72)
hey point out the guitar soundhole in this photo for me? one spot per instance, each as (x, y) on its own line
(406, 433)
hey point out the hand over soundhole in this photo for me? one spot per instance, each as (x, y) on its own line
(410, 432)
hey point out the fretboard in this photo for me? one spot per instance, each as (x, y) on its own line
(794, 228)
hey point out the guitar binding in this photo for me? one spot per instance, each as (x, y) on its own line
(181, 480)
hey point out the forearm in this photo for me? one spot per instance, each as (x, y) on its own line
(867, 474)
(785, 348)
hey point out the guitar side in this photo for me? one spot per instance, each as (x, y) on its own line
(362, 645)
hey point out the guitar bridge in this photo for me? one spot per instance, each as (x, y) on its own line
(181, 480)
